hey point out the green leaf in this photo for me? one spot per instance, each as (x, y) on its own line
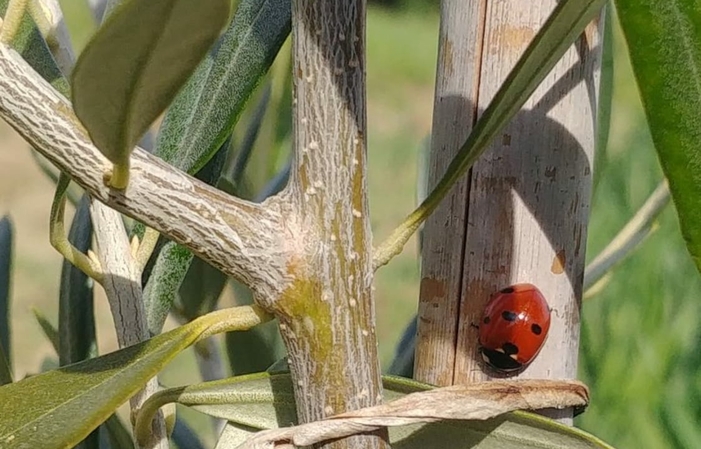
(50, 331)
(31, 45)
(603, 114)
(82, 395)
(204, 113)
(6, 243)
(663, 42)
(166, 277)
(234, 435)
(262, 401)
(60, 408)
(76, 320)
(135, 64)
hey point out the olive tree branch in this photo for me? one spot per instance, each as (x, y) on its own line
(242, 239)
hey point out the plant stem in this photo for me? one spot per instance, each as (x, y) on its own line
(58, 238)
(118, 178)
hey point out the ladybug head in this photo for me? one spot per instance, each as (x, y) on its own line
(502, 359)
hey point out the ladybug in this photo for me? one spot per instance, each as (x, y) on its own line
(514, 327)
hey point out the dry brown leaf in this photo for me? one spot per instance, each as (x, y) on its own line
(477, 401)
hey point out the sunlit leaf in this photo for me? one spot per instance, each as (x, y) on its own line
(59, 408)
(663, 42)
(135, 64)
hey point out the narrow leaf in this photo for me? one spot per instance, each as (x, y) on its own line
(663, 43)
(185, 437)
(76, 320)
(59, 408)
(135, 64)
(403, 363)
(5, 369)
(6, 244)
(166, 277)
(50, 331)
(204, 113)
(562, 28)
(603, 114)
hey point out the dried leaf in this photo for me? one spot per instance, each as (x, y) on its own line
(459, 402)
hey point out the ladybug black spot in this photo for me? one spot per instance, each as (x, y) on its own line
(536, 329)
(509, 348)
(509, 315)
(486, 320)
(507, 290)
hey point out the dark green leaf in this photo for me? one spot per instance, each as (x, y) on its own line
(204, 113)
(6, 243)
(76, 320)
(185, 437)
(403, 363)
(254, 350)
(201, 289)
(663, 41)
(135, 64)
(50, 331)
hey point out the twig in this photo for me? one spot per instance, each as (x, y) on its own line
(244, 240)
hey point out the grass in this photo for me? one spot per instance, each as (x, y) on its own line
(640, 339)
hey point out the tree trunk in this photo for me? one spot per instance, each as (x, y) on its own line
(327, 315)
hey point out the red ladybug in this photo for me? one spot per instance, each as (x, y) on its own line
(514, 327)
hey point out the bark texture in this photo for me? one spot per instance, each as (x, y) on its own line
(327, 317)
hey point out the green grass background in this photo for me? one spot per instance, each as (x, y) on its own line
(640, 345)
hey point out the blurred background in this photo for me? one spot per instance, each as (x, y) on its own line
(640, 348)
